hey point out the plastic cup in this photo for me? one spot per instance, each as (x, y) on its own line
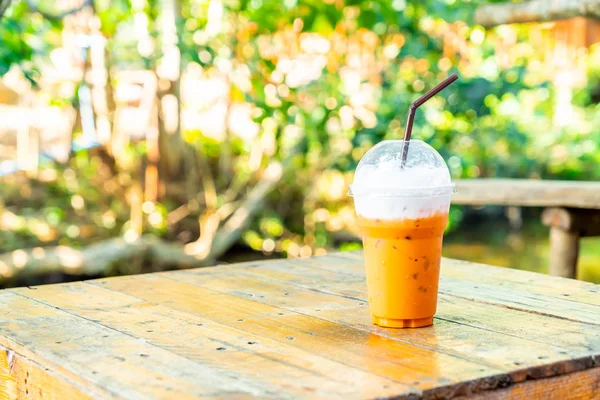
(402, 214)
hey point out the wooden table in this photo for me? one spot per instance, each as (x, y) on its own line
(572, 210)
(299, 329)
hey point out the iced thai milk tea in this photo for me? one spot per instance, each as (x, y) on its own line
(402, 214)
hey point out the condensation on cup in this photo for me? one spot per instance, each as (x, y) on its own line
(402, 210)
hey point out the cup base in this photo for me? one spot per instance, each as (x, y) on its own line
(403, 323)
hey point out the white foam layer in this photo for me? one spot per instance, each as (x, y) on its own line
(388, 176)
(388, 187)
(390, 208)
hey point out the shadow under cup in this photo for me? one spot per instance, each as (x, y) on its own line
(402, 256)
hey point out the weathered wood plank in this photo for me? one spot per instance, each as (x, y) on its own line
(566, 289)
(490, 15)
(451, 335)
(505, 320)
(582, 385)
(576, 295)
(105, 362)
(402, 362)
(300, 329)
(529, 291)
(267, 362)
(32, 381)
(521, 300)
(8, 385)
(527, 192)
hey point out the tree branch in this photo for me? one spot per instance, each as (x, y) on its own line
(233, 228)
(59, 16)
(95, 260)
(489, 15)
(3, 6)
(231, 231)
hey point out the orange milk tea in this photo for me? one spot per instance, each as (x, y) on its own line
(402, 261)
(402, 211)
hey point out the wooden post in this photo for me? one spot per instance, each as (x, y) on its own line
(564, 251)
(567, 226)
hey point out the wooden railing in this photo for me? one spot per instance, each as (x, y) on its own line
(572, 210)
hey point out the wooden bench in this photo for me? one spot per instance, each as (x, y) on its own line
(298, 329)
(572, 210)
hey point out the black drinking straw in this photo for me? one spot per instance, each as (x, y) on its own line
(413, 109)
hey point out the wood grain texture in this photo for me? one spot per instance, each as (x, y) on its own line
(8, 385)
(32, 381)
(300, 329)
(463, 328)
(520, 290)
(270, 363)
(549, 286)
(106, 362)
(553, 287)
(582, 385)
(527, 192)
(348, 285)
(521, 300)
(402, 362)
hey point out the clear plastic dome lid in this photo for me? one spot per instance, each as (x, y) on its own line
(381, 172)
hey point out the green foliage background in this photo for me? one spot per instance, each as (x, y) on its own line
(495, 122)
